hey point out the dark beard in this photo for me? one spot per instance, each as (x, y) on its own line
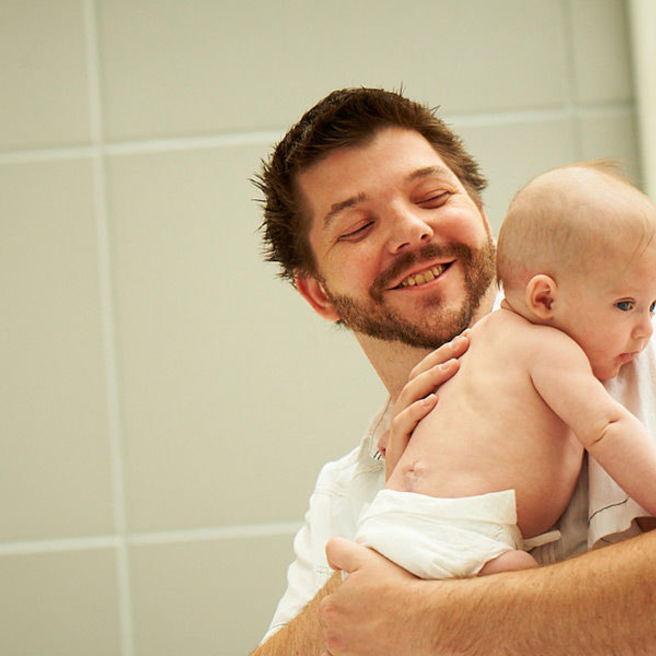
(376, 320)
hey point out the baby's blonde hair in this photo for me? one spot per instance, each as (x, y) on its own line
(569, 216)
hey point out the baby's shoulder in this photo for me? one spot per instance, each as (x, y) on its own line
(516, 332)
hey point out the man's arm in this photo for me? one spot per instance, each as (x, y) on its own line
(600, 603)
(303, 635)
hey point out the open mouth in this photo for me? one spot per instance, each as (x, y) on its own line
(426, 276)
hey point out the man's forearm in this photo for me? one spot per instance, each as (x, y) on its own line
(302, 636)
(602, 602)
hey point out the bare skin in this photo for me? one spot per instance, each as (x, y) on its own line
(599, 603)
(518, 415)
(528, 400)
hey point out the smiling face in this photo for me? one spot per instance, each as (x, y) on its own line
(402, 251)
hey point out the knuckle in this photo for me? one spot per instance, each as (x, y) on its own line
(332, 643)
(326, 608)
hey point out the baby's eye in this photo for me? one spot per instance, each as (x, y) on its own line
(652, 308)
(625, 306)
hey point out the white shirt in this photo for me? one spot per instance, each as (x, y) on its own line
(599, 511)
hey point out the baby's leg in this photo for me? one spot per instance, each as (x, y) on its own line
(508, 561)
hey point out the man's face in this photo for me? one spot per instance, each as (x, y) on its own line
(402, 251)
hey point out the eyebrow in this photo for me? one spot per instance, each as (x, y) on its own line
(430, 171)
(336, 208)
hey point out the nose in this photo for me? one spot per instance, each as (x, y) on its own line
(644, 328)
(407, 230)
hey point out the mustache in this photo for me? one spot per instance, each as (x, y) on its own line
(406, 261)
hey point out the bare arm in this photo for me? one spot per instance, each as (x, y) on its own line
(616, 439)
(303, 635)
(602, 602)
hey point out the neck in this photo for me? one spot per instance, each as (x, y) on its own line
(393, 361)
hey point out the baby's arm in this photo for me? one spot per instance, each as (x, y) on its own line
(562, 375)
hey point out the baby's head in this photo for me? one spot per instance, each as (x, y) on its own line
(577, 251)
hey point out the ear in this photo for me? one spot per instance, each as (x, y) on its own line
(485, 220)
(540, 294)
(313, 292)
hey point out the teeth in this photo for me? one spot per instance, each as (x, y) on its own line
(424, 277)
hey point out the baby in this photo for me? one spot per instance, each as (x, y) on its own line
(494, 465)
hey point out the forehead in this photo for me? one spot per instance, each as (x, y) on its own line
(377, 166)
(624, 274)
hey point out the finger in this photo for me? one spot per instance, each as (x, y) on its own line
(403, 425)
(453, 349)
(427, 382)
(344, 555)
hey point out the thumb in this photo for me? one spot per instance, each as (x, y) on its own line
(344, 555)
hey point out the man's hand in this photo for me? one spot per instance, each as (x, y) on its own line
(418, 397)
(368, 614)
(602, 602)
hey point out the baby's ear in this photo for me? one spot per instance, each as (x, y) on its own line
(540, 294)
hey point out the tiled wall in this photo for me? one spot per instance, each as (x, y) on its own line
(166, 403)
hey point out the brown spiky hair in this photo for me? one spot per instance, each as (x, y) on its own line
(348, 117)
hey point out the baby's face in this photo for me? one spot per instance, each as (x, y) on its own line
(608, 311)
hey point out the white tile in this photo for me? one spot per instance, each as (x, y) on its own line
(59, 604)
(611, 135)
(55, 473)
(206, 598)
(234, 392)
(600, 41)
(510, 155)
(188, 68)
(43, 84)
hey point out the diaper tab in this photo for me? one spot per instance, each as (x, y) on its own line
(541, 540)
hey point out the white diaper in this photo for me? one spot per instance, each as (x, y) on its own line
(440, 538)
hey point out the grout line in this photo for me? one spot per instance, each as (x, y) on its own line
(572, 78)
(108, 328)
(53, 546)
(150, 538)
(173, 144)
(192, 143)
(216, 533)
(45, 155)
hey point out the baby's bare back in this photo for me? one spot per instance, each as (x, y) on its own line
(491, 431)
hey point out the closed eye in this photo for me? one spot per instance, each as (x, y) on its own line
(357, 232)
(434, 200)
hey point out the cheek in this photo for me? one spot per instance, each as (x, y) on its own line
(468, 223)
(352, 267)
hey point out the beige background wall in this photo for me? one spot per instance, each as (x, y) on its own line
(166, 403)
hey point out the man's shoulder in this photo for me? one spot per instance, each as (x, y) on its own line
(361, 465)
(338, 475)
